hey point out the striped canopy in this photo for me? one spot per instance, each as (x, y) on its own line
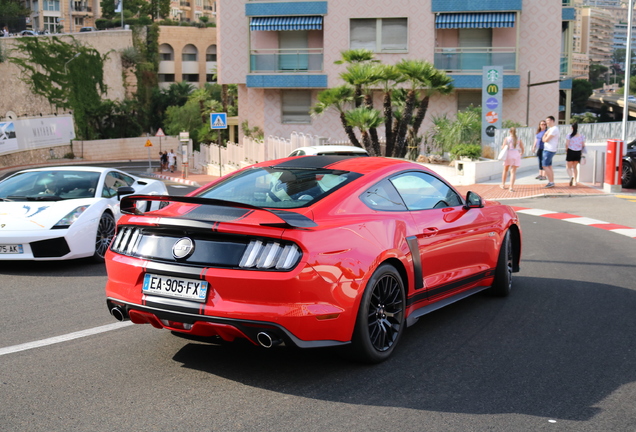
(286, 23)
(475, 20)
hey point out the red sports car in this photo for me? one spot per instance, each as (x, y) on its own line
(310, 251)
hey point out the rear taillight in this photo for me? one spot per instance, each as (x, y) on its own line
(270, 255)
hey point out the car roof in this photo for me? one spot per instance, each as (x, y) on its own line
(312, 150)
(359, 165)
(70, 168)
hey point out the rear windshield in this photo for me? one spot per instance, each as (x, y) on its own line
(282, 188)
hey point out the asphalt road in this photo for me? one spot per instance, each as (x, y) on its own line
(557, 355)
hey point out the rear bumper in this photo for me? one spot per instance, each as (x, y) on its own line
(227, 329)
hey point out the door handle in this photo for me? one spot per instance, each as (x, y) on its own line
(430, 232)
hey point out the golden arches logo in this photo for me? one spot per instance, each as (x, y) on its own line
(492, 89)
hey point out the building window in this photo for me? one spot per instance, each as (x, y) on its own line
(210, 78)
(79, 22)
(379, 34)
(166, 78)
(295, 106)
(468, 98)
(51, 5)
(210, 54)
(189, 53)
(50, 24)
(166, 53)
(193, 78)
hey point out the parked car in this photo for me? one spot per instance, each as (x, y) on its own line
(59, 213)
(87, 29)
(339, 150)
(28, 33)
(628, 178)
(310, 251)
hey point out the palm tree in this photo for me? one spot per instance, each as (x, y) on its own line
(438, 82)
(389, 76)
(356, 56)
(337, 98)
(365, 119)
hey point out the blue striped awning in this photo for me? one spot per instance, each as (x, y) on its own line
(475, 20)
(286, 23)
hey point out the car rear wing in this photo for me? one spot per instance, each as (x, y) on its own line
(289, 219)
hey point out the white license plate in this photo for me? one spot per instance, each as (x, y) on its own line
(167, 286)
(11, 249)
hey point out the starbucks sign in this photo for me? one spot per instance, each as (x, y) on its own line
(491, 98)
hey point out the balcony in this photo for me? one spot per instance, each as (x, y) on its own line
(286, 60)
(472, 60)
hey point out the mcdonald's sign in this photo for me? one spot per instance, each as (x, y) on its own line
(491, 98)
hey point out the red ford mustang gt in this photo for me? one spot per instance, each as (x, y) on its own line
(310, 251)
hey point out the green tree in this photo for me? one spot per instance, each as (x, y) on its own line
(337, 98)
(597, 75)
(69, 75)
(11, 12)
(581, 92)
(365, 119)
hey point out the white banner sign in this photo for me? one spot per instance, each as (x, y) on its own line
(34, 133)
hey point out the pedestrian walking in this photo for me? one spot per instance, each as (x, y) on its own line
(172, 160)
(574, 147)
(537, 148)
(513, 158)
(163, 159)
(550, 145)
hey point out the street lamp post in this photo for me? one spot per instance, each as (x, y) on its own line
(628, 64)
(72, 58)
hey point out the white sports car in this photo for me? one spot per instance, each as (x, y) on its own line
(59, 213)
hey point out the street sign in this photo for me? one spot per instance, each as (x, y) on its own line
(160, 133)
(218, 120)
(491, 102)
(148, 144)
(184, 136)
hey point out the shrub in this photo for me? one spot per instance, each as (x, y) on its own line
(472, 151)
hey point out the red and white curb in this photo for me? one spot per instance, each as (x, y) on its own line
(618, 229)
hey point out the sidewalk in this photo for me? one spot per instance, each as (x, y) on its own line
(526, 185)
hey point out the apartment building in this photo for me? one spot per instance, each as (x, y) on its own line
(187, 54)
(281, 54)
(597, 35)
(57, 16)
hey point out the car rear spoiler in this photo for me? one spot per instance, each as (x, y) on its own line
(128, 205)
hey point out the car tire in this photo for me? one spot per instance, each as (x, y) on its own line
(381, 317)
(503, 273)
(628, 179)
(105, 234)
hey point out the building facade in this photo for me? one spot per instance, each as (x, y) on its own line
(281, 54)
(187, 54)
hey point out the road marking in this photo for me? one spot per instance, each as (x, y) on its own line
(63, 338)
(566, 217)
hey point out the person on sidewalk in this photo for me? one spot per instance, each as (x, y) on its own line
(537, 148)
(172, 160)
(513, 158)
(163, 161)
(550, 145)
(574, 145)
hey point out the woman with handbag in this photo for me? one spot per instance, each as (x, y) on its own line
(512, 159)
(574, 147)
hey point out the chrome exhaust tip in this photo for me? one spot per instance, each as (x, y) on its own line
(266, 340)
(118, 314)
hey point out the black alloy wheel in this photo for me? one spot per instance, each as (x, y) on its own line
(628, 180)
(105, 233)
(381, 317)
(503, 273)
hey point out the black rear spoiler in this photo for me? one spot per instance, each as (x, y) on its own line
(128, 205)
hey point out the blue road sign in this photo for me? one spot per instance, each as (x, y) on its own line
(218, 120)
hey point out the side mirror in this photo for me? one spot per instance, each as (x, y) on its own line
(473, 201)
(124, 190)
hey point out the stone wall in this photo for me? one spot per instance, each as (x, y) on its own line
(17, 97)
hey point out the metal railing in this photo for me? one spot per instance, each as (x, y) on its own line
(460, 59)
(286, 60)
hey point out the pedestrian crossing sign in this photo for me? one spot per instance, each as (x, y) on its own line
(218, 120)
